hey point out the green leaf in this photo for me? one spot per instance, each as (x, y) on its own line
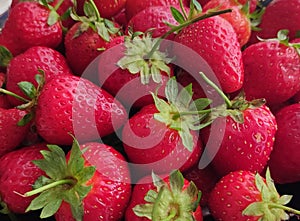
(171, 90)
(89, 10)
(176, 181)
(255, 209)
(161, 105)
(5, 56)
(76, 162)
(66, 14)
(26, 119)
(157, 181)
(102, 31)
(41, 181)
(75, 203)
(85, 174)
(197, 5)
(186, 137)
(271, 185)
(143, 210)
(28, 89)
(177, 15)
(150, 196)
(282, 35)
(200, 104)
(185, 96)
(53, 17)
(284, 199)
(40, 201)
(51, 208)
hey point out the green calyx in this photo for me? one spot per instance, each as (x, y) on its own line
(181, 113)
(170, 202)
(272, 207)
(92, 19)
(5, 56)
(136, 59)
(64, 181)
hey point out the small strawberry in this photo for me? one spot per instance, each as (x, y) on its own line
(25, 66)
(91, 183)
(34, 25)
(70, 104)
(163, 137)
(17, 176)
(171, 198)
(12, 132)
(284, 160)
(245, 196)
(272, 70)
(87, 38)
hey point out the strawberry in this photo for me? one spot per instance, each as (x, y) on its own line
(132, 80)
(88, 37)
(158, 138)
(34, 27)
(91, 183)
(25, 66)
(70, 104)
(12, 132)
(284, 160)
(216, 42)
(134, 6)
(17, 175)
(172, 196)
(279, 62)
(296, 98)
(279, 14)
(243, 195)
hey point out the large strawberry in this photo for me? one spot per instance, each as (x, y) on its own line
(284, 160)
(25, 66)
(17, 175)
(87, 38)
(70, 104)
(12, 132)
(34, 27)
(172, 197)
(163, 137)
(272, 70)
(91, 183)
(245, 196)
(215, 40)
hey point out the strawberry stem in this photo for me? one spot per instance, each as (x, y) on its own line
(14, 95)
(285, 208)
(172, 215)
(58, 5)
(96, 11)
(183, 9)
(188, 113)
(69, 181)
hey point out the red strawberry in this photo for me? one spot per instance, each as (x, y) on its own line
(17, 175)
(244, 196)
(25, 66)
(30, 21)
(272, 70)
(91, 185)
(284, 160)
(154, 19)
(158, 138)
(178, 199)
(132, 86)
(135, 6)
(87, 38)
(279, 14)
(70, 104)
(11, 134)
(216, 42)
(296, 98)
(64, 7)
(237, 18)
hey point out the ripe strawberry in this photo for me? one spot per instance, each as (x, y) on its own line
(25, 66)
(17, 175)
(87, 38)
(134, 6)
(216, 42)
(134, 79)
(90, 185)
(172, 196)
(11, 134)
(245, 196)
(279, 14)
(30, 21)
(159, 139)
(296, 98)
(284, 160)
(70, 104)
(272, 70)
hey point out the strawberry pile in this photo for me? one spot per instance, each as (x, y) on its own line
(150, 110)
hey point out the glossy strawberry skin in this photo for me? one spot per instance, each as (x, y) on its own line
(18, 174)
(153, 146)
(11, 135)
(232, 194)
(245, 146)
(272, 72)
(70, 104)
(216, 42)
(284, 160)
(111, 183)
(139, 192)
(29, 20)
(25, 66)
